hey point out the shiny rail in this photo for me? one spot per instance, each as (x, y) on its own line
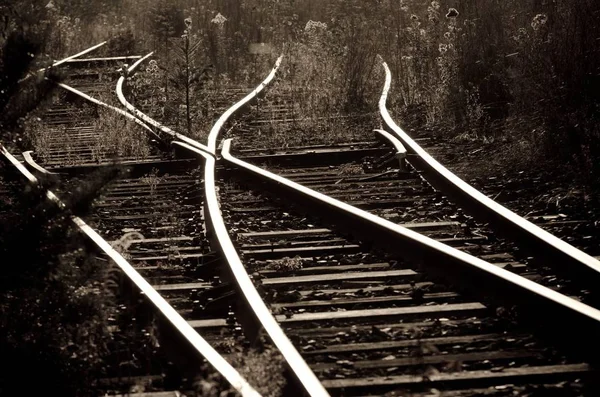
(398, 146)
(104, 59)
(240, 106)
(220, 238)
(561, 256)
(160, 304)
(457, 267)
(174, 319)
(27, 156)
(123, 113)
(149, 120)
(65, 60)
(215, 224)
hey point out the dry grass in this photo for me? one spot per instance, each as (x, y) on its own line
(152, 180)
(264, 370)
(118, 136)
(286, 264)
(38, 136)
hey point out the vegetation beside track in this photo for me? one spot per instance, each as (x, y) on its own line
(520, 74)
(54, 308)
(56, 302)
(120, 136)
(53, 311)
(505, 73)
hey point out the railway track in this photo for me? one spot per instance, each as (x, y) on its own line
(147, 222)
(333, 288)
(355, 262)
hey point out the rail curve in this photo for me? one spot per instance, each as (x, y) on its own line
(221, 240)
(244, 284)
(147, 119)
(194, 340)
(562, 256)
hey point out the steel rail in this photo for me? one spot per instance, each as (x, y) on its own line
(147, 119)
(116, 109)
(105, 59)
(468, 272)
(562, 256)
(220, 238)
(179, 323)
(400, 149)
(398, 146)
(67, 59)
(243, 283)
(239, 106)
(31, 162)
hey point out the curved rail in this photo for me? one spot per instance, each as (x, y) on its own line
(299, 367)
(244, 283)
(400, 149)
(562, 256)
(179, 323)
(216, 130)
(106, 105)
(104, 59)
(446, 262)
(238, 272)
(147, 119)
(29, 160)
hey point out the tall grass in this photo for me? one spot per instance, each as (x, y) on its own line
(118, 136)
(519, 71)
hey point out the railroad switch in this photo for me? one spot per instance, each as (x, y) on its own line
(402, 165)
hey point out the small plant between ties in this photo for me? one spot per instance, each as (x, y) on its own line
(286, 264)
(152, 180)
(351, 169)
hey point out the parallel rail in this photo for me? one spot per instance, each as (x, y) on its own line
(182, 327)
(220, 239)
(194, 339)
(457, 267)
(244, 285)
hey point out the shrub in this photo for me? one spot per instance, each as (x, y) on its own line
(53, 314)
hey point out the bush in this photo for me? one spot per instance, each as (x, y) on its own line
(53, 314)
(53, 311)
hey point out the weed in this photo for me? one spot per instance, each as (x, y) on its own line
(118, 136)
(152, 180)
(351, 169)
(286, 264)
(264, 370)
(39, 136)
(123, 244)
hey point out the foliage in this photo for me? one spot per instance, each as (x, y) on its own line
(186, 76)
(118, 136)
(53, 312)
(17, 55)
(286, 264)
(264, 369)
(146, 91)
(519, 72)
